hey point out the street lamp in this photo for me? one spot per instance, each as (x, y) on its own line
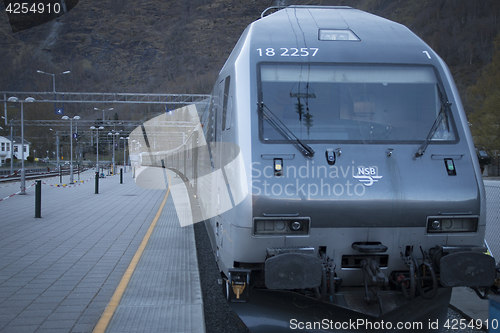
(54, 85)
(113, 135)
(97, 109)
(53, 78)
(23, 172)
(124, 149)
(71, 147)
(97, 145)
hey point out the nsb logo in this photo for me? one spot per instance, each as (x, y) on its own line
(367, 176)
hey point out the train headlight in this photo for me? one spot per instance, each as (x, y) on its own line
(447, 224)
(436, 225)
(280, 226)
(452, 224)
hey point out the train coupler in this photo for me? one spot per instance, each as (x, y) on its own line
(238, 285)
(374, 279)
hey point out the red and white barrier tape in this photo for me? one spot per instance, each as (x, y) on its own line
(10, 196)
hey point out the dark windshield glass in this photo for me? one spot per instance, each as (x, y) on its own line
(352, 103)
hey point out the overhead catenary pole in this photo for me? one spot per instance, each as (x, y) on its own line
(97, 144)
(5, 107)
(57, 147)
(23, 171)
(11, 147)
(11, 150)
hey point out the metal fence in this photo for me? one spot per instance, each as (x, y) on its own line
(493, 218)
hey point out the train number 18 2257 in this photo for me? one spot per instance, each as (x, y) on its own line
(288, 52)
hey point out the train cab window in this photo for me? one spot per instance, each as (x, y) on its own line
(208, 119)
(226, 111)
(369, 104)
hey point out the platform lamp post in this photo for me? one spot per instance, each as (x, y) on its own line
(53, 78)
(124, 150)
(97, 144)
(71, 146)
(53, 81)
(113, 134)
(97, 109)
(23, 171)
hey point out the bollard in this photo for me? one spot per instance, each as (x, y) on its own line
(121, 176)
(97, 182)
(60, 175)
(38, 198)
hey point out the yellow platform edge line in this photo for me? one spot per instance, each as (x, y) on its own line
(103, 322)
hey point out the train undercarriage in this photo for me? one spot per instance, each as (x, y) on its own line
(429, 275)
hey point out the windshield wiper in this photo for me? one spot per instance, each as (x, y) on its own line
(285, 131)
(445, 106)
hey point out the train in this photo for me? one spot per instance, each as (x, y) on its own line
(333, 159)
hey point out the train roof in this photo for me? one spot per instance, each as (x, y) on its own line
(376, 40)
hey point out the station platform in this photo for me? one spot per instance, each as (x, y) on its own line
(117, 261)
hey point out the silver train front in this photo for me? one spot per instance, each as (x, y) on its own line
(333, 158)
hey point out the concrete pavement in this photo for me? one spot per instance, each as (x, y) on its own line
(58, 272)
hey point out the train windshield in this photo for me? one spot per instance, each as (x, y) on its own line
(369, 104)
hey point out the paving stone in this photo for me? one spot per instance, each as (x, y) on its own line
(55, 269)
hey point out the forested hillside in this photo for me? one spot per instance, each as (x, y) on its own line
(178, 46)
(461, 32)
